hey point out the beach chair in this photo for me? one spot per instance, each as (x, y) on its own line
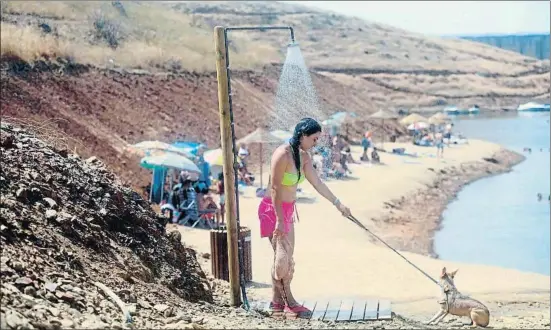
(195, 216)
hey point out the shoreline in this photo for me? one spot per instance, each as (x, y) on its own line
(421, 212)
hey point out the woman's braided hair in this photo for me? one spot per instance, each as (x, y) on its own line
(305, 127)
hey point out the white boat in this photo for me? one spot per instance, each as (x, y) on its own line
(452, 110)
(473, 110)
(533, 107)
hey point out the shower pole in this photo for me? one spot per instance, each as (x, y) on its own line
(227, 138)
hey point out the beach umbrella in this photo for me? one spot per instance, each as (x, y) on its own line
(283, 135)
(189, 147)
(417, 126)
(439, 118)
(261, 136)
(343, 116)
(169, 160)
(149, 148)
(412, 119)
(384, 115)
(214, 157)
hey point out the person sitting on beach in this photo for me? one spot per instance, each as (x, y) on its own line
(221, 196)
(375, 157)
(290, 165)
(244, 175)
(349, 158)
(243, 155)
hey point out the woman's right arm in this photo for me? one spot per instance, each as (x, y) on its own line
(278, 165)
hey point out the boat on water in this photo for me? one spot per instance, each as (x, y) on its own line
(533, 107)
(453, 110)
(474, 110)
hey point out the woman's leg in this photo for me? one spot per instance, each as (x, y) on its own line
(290, 299)
(277, 285)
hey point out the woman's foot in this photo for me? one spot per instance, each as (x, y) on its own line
(276, 307)
(299, 310)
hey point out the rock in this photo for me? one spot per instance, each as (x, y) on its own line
(116, 325)
(92, 159)
(161, 307)
(30, 290)
(132, 309)
(50, 286)
(50, 202)
(54, 311)
(14, 320)
(51, 214)
(66, 323)
(91, 322)
(167, 312)
(50, 297)
(22, 195)
(144, 304)
(24, 281)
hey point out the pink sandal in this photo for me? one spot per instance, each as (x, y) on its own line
(276, 307)
(299, 310)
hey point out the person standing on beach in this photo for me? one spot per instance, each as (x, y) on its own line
(439, 142)
(290, 165)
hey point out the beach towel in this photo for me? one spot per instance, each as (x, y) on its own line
(283, 263)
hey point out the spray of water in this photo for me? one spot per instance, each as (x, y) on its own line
(296, 95)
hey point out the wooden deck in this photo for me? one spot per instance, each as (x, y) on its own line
(338, 310)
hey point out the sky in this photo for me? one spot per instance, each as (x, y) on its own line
(447, 18)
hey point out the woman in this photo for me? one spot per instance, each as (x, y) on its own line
(290, 165)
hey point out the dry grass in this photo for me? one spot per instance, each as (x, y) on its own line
(29, 45)
(148, 37)
(47, 131)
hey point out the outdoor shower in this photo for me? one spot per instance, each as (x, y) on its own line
(227, 136)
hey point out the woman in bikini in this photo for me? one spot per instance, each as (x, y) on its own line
(290, 165)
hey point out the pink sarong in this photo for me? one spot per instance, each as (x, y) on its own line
(267, 216)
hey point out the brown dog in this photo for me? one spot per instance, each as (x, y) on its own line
(453, 302)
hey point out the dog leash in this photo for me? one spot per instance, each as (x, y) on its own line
(353, 219)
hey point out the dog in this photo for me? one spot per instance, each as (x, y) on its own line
(453, 302)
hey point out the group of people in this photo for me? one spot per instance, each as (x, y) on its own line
(436, 137)
(332, 161)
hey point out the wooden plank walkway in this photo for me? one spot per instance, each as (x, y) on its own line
(337, 310)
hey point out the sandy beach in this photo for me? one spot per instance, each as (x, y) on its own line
(401, 201)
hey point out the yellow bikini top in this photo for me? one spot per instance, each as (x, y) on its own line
(291, 179)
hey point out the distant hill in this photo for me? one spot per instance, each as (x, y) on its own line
(534, 45)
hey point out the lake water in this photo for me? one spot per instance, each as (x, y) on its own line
(500, 217)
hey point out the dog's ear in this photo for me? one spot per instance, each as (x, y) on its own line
(443, 272)
(452, 274)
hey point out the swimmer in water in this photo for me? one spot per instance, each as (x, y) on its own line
(539, 197)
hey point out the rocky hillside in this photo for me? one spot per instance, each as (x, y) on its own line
(533, 45)
(69, 230)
